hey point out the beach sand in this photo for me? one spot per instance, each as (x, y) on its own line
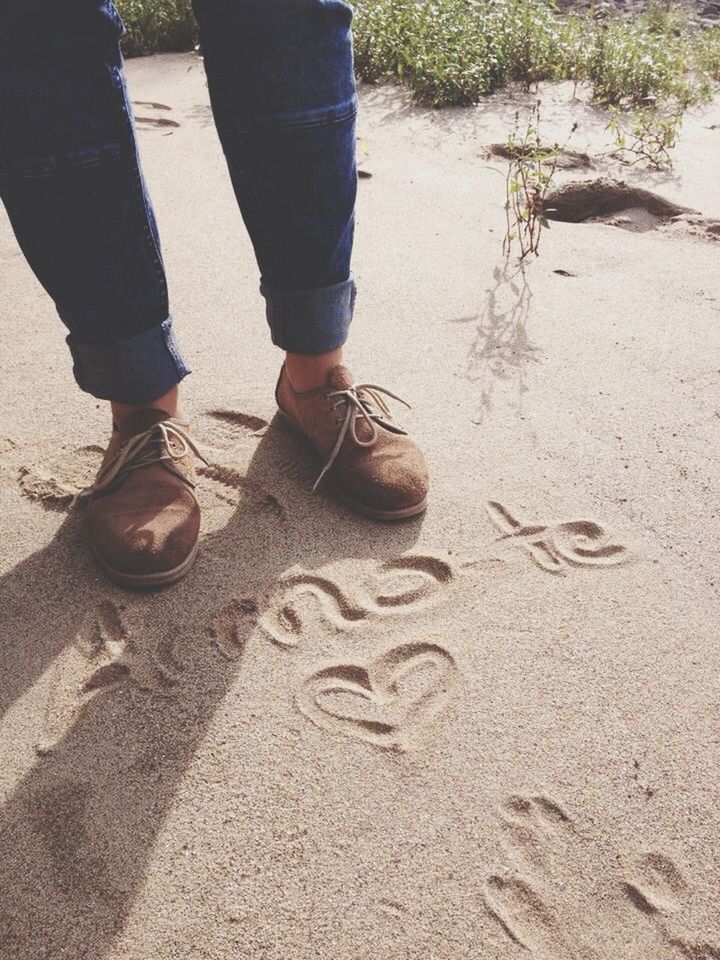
(491, 732)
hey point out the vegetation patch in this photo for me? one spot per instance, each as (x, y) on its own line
(647, 135)
(457, 51)
(155, 26)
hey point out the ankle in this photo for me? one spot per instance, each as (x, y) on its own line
(306, 371)
(169, 403)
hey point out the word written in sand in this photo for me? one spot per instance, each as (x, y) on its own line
(102, 658)
(229, 629)
(402, 585)
(390, 702)
(577, 543)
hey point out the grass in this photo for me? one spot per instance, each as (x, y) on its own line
(457, 51)
(155, 26)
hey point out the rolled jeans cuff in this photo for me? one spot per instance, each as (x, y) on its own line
(133, 371)
(310, 321)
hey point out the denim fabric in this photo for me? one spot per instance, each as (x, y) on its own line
(283, 94)
(282, 89)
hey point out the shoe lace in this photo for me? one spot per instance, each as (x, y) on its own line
(360, 401)
(152, 446)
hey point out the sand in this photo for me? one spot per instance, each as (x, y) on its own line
(488, 733)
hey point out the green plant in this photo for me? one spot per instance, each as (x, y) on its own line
(154, 25)
(706, 53)
(646, 135)
(628, 61)
(527, 37)
(529, 177)
(446, 53)
(381, 34)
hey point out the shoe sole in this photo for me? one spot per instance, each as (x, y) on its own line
(147, 581)
(386, 515)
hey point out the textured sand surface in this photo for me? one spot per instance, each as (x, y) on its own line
(489, 733)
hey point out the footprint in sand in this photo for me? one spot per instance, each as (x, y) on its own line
(579, 543)
(402, 585)
(54, 483)
(150, 115)
(657, 886)
(522, 913)
(225, 429)
(229, 486)
(530, 904)
(536, 833)
(657, 889)
(103, 657)
(391, 703)
(534, 826)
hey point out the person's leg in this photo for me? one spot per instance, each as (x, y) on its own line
(282, 87)
(74, 192)
(73, 189)
(283, 93)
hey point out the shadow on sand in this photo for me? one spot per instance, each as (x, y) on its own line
(501, 350)
(77, 831)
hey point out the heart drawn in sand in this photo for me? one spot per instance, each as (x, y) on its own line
(390, 703)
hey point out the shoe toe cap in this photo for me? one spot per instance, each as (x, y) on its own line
(145, 546)
(390, 481)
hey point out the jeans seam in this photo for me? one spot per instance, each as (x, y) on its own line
(116, 18)
(171, 347)
(277, 330)
(138, 185)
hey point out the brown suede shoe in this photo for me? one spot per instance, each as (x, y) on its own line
(371, 463)
(142, 512)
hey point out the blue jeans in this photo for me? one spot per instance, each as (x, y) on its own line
(282, 88)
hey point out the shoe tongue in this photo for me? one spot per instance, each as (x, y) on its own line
(140, 421)
(340, 378)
